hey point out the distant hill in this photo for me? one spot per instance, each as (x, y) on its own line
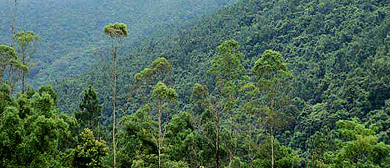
(71, 30)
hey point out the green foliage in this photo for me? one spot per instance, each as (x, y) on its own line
(116, 30)
(90, 109)
(11, 135)
(49, 90)
(199, 98)
(284, 156)
(184, 143)
(270, 65)
(26, 37)
(27, 41)
(359, 146)
(7, 54)
(31, 131)
(68, 45)
(318, 69)
(227, 64)
(90, 152)
(161, 92)
(9, 62)
(6, 98)
(138, 144)
(161, 65)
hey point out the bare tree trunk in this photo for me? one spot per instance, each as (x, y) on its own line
(10, 77)
(3, 68)
(307, 159)
(159, 133)
(14, 23)
(217, 142)
(12, 44)
(272, 147)
(23, 72)
(272, 128)
(114, 106)
(249, 138)
(23, 81)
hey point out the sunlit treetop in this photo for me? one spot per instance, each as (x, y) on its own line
(116, 30)
(229, 46)
(161, 64)
(161, 91)
(199, 92)
(270, 64)
(26, 37)
(9, 56)
(7, 52)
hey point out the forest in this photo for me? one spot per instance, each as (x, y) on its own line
(195, 83)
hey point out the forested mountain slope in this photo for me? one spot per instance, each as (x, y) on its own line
(324, 43)
(70, 30)
(282, 83)
(338, 52)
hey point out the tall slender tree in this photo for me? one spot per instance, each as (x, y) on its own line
(226, 69)
(271, 77)
(9, 61)
(26, 41)
(7, 54)
(162, 93)
(159, 70)
(116, 31)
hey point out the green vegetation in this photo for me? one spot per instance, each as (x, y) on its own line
(70, 30)
(255, 84)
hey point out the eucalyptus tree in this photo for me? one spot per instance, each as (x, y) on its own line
(162, 93)
(202, 105)
(27, 41)
(116, 31)
(7, 55)
(10, 61)
(159, 70)
(271, 78)
(226, 69)
(250, 109)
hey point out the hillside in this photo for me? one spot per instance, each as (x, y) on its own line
(71, 31)
(282, 83)
(315, 38)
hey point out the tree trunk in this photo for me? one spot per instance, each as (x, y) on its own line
(14, 23)
(159, 133)
(10, 77)
(272, 149)
(114, 106)
(249, 139)
(3, 67)
(217, 142)
(24, 63)
(272, 128)
(307, 158)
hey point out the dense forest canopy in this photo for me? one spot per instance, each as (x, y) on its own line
(71, 33)
(201, 83)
